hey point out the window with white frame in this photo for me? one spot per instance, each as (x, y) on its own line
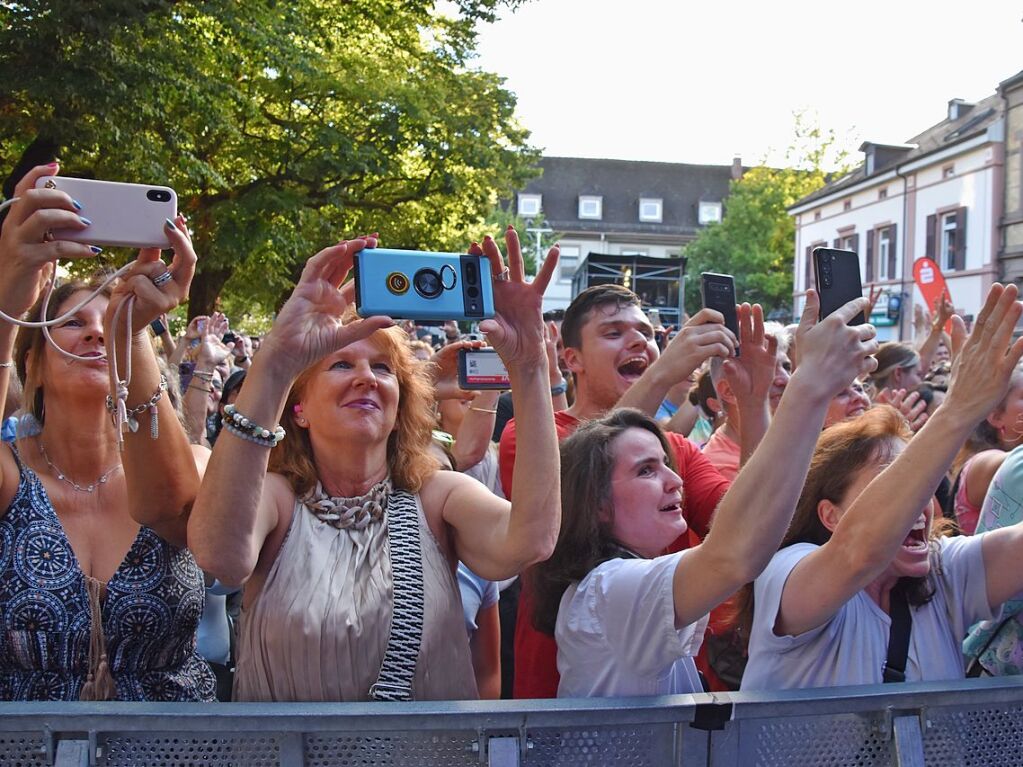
(529, 205)
(948, 237)
(651, 209)
(568, 261)
(884, 249)
(591, 206)
(710, 212)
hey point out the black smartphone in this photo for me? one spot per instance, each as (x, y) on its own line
(837, 273)
(158, 327)
(481, 369)
(718, 292)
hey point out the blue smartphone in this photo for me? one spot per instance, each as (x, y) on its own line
(413, 285)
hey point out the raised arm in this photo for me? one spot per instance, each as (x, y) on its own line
(26, 264)
(161, 474)
(943, 312)
(755, 512)
(702, 337)
(232, 519)
(876, 523)
(212, 351)
(496, 539)
(473, 438)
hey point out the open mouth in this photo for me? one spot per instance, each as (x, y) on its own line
(633, 368)
(917, 538)
(672, 508)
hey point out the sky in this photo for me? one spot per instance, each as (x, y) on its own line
(702, 81)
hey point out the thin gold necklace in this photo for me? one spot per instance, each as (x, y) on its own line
(64, 478)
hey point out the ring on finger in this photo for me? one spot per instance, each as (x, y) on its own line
(48, 236)
(162, 279)
(504, 276)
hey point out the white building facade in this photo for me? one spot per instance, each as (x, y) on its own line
(938, 196)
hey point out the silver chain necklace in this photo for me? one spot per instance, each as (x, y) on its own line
(64, 478)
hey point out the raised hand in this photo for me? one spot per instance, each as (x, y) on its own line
(910, 404)
(27, 250)
(212, 349)
(444, 369)
(309, 325)
(703, 336)
(831, 352)
(983, 368)
(517, 330)
(152, 300)
(751, 374)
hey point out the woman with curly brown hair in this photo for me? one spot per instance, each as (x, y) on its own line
(347, 545)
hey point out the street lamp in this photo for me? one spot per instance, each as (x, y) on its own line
(538, 232)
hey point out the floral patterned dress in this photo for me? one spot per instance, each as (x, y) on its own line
(59, 640)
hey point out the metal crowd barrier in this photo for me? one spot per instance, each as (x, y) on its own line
(975, 722)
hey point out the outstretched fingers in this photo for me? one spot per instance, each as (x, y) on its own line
(543, 276)
(811, 311)
(516, 265)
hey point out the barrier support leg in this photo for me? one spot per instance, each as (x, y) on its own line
(909, 741)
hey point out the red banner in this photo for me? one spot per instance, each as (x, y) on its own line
(931, 281)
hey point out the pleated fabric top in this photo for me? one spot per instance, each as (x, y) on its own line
(319, 627)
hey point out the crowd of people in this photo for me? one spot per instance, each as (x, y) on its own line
(323, 514)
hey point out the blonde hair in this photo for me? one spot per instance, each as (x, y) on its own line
(31, 341)
(409, 459)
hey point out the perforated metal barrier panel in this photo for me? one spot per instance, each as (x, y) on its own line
(971, 723)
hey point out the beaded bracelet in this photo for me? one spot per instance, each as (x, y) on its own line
(204, 375)
(240, 426)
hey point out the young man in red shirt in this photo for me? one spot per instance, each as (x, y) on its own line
(609, 348)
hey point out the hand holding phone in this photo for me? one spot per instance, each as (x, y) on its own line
(718, 293)
(129, 215)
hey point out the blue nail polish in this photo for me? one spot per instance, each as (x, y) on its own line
(78, 205)
(85, 221)
(169, 224)
(95, 250)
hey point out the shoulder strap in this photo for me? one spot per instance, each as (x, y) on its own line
(898, 638)
(394, 682)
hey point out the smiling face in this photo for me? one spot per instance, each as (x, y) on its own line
(80, 334)
(352, 393)
(852, 401)
(645, 493)
(616, 347)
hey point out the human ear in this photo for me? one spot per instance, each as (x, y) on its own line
(573, 359)
(829, 514)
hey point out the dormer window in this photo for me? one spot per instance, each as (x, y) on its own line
(651, 209)
(710, 212)
(529, 205)
(591, 206)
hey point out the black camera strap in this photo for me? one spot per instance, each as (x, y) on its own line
(898, 637)
(394, 682)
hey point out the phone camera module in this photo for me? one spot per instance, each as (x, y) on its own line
(428, 283)
(397, 283)
(158, 195)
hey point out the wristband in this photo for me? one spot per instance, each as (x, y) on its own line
(560, 388)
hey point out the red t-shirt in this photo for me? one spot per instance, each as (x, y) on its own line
(536, 653)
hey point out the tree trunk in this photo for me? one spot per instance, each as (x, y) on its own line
(205, 291)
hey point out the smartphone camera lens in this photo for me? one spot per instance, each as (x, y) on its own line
(158, 195)
(428, 283)
(397, 283)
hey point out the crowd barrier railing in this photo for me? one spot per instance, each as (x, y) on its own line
(970, 723)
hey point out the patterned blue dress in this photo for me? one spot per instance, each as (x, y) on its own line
(48, 650)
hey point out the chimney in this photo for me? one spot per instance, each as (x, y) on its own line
(736, 168)
(958, 108)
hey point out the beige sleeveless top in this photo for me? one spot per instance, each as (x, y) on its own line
(319, 627)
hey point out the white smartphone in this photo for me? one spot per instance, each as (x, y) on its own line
(127, 215)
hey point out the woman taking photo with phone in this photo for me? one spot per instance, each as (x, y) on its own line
(98, 598)
(859, 569)
(354, 529)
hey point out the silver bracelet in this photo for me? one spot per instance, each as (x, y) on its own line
(6, 364)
